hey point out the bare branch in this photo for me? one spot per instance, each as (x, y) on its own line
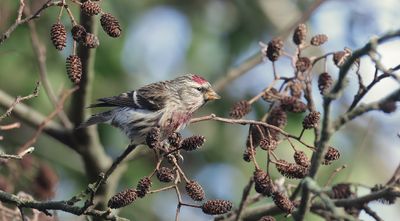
(19, 100)
(20, 20)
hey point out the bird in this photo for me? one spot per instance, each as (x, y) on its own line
(168, 105)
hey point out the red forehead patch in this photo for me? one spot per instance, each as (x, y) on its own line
(198, 79)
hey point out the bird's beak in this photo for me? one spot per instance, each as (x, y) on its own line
(211, 95)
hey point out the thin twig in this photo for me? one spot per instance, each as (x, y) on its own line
(19, 100)
(20, 21)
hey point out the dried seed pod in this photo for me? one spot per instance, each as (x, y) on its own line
(324, 83)
(78, 33)
(216, 207)
(340, 57)
(270, 95)
(318, 40)
(240, 109)
(74, 68)
(263, 183)
(303, 64)
(165, 174)
(274, 50)
(143, 187)
(193, 143)
(331, 155)
(267, 218)
(256, 133)
(388, 107)
(301, 158)
(283, 202)
(91, 41)
(340, 191)
(90, 8)
(195, 191)
(296, 89)
(311, 120)
(268, 144)
(110, 25)
(122, 199)
(153, 138)
(277, 117)
(58, 36)
(300, 34)
(292, 104)
(291, 170)
(175, 139)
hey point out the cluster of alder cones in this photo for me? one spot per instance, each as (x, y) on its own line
(168, 170)
(81, 36)
(291, 97)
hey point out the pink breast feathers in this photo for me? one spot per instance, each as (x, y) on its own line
(199, 79)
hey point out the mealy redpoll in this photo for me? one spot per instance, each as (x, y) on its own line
(168, 105)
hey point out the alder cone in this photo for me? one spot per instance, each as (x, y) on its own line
(90, 8)
(58, 36)
(110, 25)
(283, 202)
(122, 199)
(195, 191)
(216, 207)
(318, 40)
(274, 50)
(300, 34)
(78, 33)
(74, 68)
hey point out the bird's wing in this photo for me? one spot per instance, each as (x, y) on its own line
(149, 97)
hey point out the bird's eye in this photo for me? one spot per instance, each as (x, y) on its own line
(200, 89)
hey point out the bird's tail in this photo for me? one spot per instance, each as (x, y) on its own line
(103, 117)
